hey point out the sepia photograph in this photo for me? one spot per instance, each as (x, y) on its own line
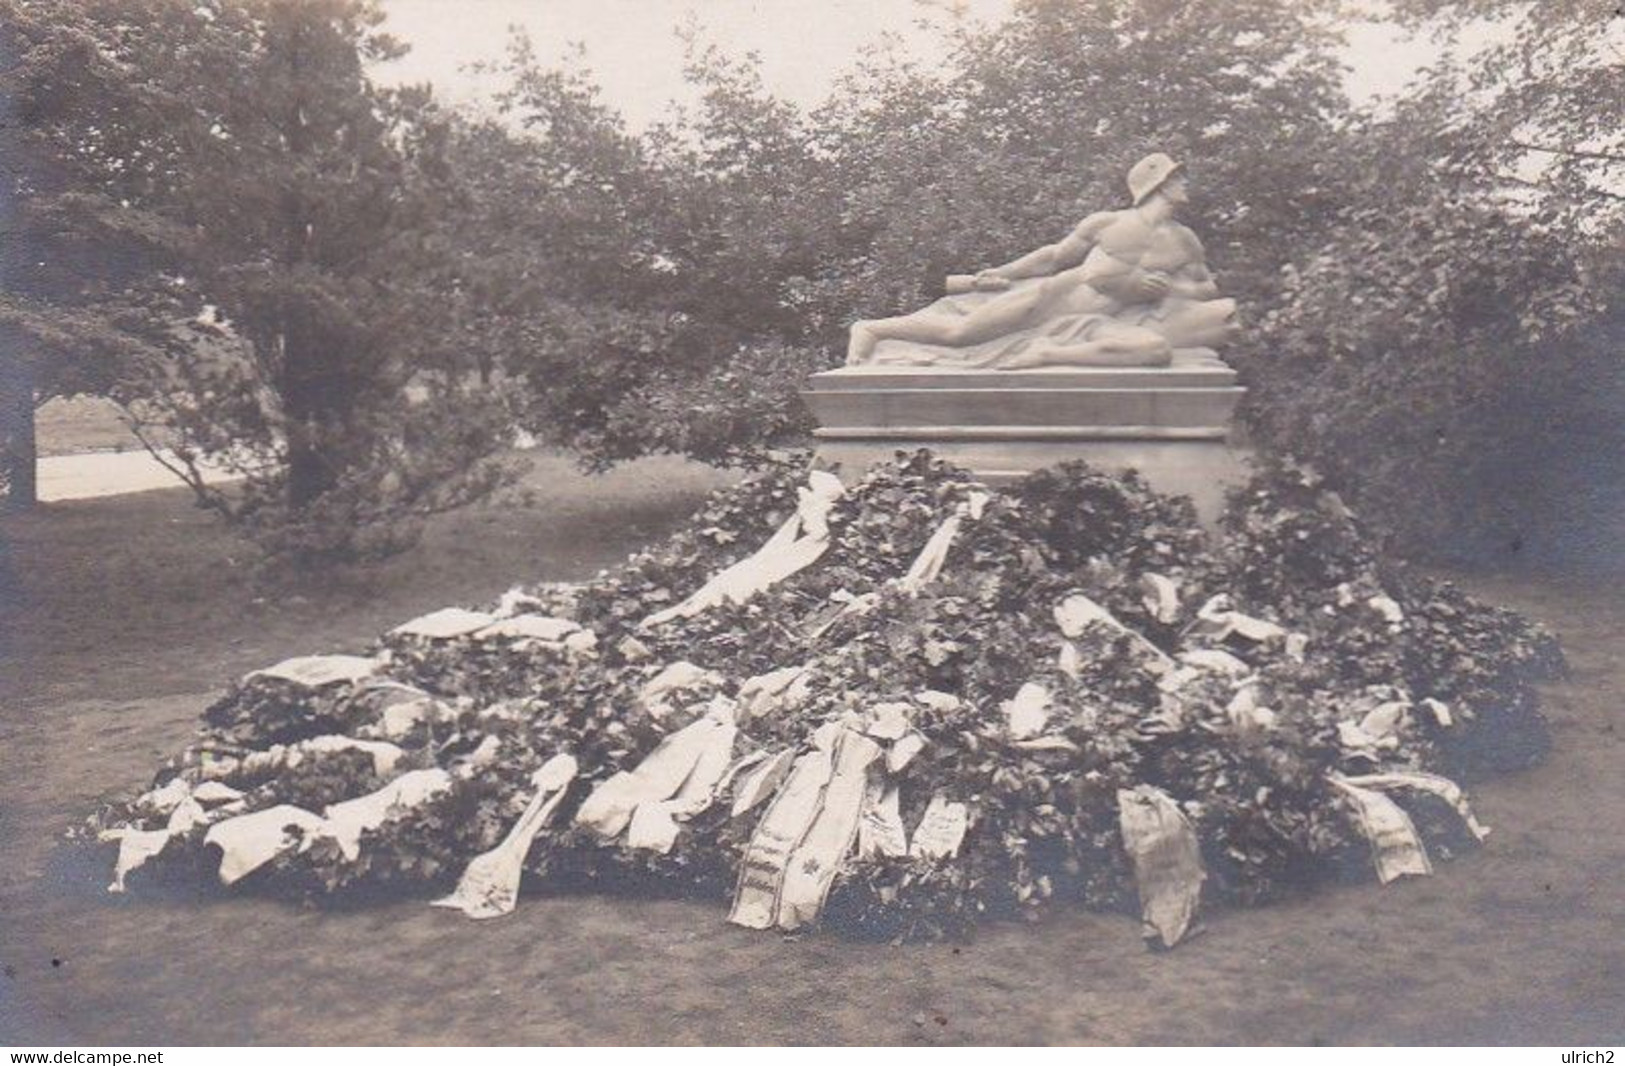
(946, 523)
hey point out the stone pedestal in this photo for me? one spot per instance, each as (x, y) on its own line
(1172, 424)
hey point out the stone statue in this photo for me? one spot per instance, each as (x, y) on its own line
(1126, 288)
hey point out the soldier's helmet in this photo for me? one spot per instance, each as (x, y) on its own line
(1149, 174)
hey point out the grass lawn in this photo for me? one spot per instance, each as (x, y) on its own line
(121, 616)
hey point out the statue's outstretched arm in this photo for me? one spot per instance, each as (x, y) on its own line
(1054, 258)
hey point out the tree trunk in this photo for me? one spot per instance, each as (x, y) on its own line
(308, 475)
(304, 401)
(19, 449)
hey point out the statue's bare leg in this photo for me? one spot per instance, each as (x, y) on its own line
(1004, 314)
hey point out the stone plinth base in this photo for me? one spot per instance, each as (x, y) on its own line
(1171, 424)
(1202, 470)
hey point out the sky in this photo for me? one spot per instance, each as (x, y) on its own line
(633, 49)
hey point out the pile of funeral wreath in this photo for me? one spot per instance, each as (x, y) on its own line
(892, 708)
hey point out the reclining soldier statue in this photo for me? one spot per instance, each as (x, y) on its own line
(1126, 288)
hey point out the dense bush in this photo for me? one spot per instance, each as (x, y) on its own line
(1450, 351)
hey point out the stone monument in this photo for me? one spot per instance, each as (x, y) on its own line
(1098, 347)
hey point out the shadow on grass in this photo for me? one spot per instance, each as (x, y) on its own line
(141, 595)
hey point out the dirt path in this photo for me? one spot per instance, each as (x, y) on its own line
(1523, 942)
(94, 474)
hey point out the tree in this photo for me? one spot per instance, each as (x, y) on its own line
(1449, 351)
(53, 272)
(291, 307)
(622, 295)
(17, 446)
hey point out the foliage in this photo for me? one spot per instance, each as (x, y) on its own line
(287, 307)
(1450, 351)
(671, 292)
(1427, 289)
(622, 288)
